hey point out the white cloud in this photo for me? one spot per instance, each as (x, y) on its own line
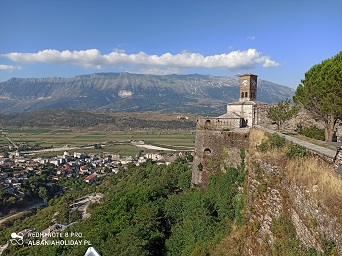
(270, 63)
(93, 59)
(8, 67)
(251, 38)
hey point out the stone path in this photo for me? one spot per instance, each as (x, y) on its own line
(81, 204)
(315, 148)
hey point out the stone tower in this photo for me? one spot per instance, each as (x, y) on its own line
(248, 87)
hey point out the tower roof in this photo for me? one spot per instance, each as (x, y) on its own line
(248, 74)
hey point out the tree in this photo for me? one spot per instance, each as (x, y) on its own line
(11, 200)
(321, 92)
(2, 195)
(282, 112)
(42, 192)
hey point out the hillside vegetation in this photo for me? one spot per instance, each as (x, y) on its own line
(147, 210)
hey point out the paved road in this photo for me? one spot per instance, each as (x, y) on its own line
(153, 147)
(315, 148)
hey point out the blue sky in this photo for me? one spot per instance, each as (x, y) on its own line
(277, 40)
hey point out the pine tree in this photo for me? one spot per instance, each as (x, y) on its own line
(321, 92)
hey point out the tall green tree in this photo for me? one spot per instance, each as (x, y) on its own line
(2, 195)
(282, 112)
(321, 92)
(43, 193)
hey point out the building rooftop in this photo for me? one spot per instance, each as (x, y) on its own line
(249, 102)
(248, 74)
(91, 176)
(230, 115)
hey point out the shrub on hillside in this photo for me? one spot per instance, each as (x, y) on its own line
(312, 132)
(272, 141)
(295, 150)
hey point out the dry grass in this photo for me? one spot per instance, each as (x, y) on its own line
(231, 245)
(255, 138)
(324, 184)
(274, 156)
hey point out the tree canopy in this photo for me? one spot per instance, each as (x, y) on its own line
(146, 210)
(320, 92)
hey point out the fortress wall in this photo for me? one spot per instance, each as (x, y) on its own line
(215, 149)
(304, 119)
(215, 123)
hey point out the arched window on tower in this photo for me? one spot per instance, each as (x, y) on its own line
(246, 94)
(242, 94)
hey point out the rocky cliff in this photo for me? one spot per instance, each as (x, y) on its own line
(293, 194)
(294, 202)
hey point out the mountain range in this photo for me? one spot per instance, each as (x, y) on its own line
(126, 92)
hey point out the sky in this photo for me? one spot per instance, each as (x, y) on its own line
(277, 40)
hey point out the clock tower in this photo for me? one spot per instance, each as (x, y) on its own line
(248, 87)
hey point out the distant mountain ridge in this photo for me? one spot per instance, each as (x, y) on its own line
(126, 92)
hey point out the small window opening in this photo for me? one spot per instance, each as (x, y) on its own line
(207, 151)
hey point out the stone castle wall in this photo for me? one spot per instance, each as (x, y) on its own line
(303, 119)
(215, 123)
(215, 148)
(217, 136)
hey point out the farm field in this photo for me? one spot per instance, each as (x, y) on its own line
(112, 141)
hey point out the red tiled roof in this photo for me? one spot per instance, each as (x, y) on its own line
(91, 176)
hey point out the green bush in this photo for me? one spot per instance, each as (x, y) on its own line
(239, 205)
(276, 141)
(263, 147)
(286, 241)
(272, 141)
(329, 248)
(295, 150)
(313, 132)
(311, 252)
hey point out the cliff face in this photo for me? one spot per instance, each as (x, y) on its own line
(294, 201)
